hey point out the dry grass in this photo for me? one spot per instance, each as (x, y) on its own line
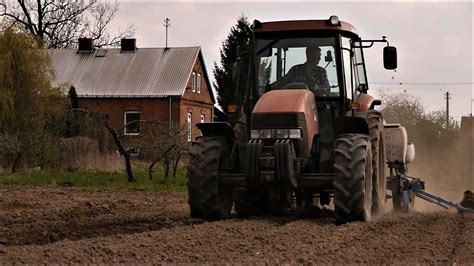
(82, 153)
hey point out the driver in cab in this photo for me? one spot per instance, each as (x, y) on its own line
(309, 73)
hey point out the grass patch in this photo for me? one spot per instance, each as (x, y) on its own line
(104, 180)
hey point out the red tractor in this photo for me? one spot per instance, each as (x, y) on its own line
(306, 133)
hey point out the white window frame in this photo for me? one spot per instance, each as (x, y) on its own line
(125, 123)
(194, 82)
(190, 126)
(199, 80)
(203, 118)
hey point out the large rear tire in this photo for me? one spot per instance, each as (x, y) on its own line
(206, 199)
(379, 178)
(353, 178)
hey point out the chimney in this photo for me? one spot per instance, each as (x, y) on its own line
(128, 45)
(85, 45)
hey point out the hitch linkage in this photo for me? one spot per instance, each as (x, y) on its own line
(417, 187)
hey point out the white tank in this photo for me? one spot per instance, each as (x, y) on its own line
(396, 143)
(410, 155)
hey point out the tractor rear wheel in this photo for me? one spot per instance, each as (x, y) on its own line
(353, 178)
(379, 178)
(206, 199)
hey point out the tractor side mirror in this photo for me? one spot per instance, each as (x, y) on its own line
(328, 57)
(390, 57)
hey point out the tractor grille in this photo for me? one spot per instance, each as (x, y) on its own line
(283, 120)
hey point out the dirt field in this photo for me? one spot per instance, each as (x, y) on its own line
(58, 225)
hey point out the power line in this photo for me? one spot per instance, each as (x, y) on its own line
(183, 36)
(423, 83)
(191, 42)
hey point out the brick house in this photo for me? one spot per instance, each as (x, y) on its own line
(128, 84)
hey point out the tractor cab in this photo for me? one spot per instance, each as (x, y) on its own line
(284, 46)
(324, 57)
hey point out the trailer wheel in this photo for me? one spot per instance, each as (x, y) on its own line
(353, 178)
(206, 199)
(379, 178)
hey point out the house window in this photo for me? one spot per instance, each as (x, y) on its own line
(203, 118)
(199, 83)
(132, 123)
(194, 82)
(190, 126)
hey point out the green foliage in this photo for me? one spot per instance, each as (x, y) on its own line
(30, 105)
(408, 110)
(25, 83)
(104, 180)
(439, 118)
(402, 108)
(239, 36)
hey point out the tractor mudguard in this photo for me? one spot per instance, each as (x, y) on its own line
(351, 125)
(222, 129)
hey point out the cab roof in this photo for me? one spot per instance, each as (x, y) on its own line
(303, 25)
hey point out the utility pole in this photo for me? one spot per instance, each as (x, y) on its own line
(167, 24)
(447, 97)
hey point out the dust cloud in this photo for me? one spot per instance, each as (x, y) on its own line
(444, 161)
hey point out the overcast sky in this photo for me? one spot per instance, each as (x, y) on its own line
(434, 40)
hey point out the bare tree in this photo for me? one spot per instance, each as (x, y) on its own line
(118, 141)
(60, 23)
(163, 143)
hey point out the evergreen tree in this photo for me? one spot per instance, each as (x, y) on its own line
(238, 37)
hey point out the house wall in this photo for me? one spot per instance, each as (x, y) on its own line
(156, 109)
(150, 110)
(196, 103)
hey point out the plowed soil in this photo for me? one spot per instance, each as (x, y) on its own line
(68, 225)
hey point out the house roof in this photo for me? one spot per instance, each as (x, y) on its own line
(110, 73)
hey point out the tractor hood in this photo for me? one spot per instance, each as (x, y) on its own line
(294, 108)
(286, 101)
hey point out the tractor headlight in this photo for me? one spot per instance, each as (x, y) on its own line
(254, 134)
(288, 133)
(282, 133)
(265, 133)
(276, 133)
(295, 133)
(261, 134)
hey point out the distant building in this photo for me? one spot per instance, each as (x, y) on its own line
(129, 83)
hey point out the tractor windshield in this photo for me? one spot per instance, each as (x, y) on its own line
(298, 63)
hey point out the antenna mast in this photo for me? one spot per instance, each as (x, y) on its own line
(167, 24)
